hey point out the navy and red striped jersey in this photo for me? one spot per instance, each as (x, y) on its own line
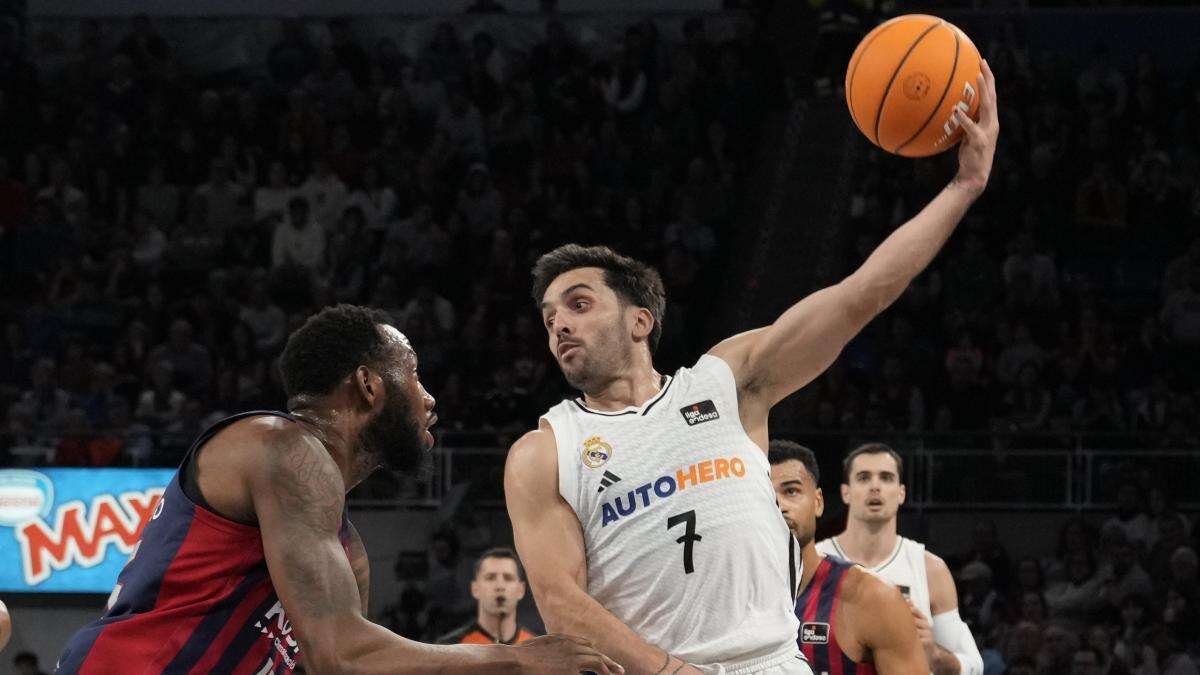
(195, 597)
(817, 609)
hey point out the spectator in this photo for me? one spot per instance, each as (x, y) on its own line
(1037, 270)
(326, 195)
(46, 403)
(148, 242)
(350, 55)
(331, 86)
(1076, 600)
(62, 192)
(1101, 202)
(479, 201)
(980, 604)
(191, 364)
(376, 200)
(1027, 406)
(267, 322)
(161, 403)
(1130, 520)
(425, 241)
(462, 123)
(221, 195)
(79, 446)
(1181, 314)
(271, 201)
(1127, 576)
(297, 241)
(1058, 650)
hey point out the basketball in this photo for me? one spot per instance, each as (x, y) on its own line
(904, 80)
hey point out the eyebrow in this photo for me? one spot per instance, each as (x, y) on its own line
(568, 292)
(794, 481)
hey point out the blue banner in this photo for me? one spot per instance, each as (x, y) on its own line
(71, 530)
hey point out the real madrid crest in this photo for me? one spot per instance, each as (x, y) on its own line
(596, 452)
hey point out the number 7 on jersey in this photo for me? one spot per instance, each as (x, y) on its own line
(688, 518)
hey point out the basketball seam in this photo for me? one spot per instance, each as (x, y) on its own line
(888, 90)
(949, 81)
(855, 64)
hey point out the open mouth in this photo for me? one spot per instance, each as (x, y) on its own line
(875, 503)
(565, 348)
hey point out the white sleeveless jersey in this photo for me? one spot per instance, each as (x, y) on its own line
(685, 543)
(904, 569)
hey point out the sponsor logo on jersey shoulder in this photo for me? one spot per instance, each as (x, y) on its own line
(596, 452)
(698, 413)
(814, 633)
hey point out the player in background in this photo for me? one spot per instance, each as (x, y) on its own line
(643, 510)
(850, 622)
(873, 492)
(498, 586)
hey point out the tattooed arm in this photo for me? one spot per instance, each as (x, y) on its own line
(298, 496)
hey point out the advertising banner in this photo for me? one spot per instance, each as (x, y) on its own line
(71, 530)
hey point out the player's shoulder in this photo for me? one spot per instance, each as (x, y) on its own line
(534, 455)
(863, 589)
(935, 566)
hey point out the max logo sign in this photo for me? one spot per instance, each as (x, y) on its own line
(82, 532)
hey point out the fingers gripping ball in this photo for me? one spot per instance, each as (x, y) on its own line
(906, 78)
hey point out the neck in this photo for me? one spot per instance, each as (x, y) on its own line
(637, 383)
(502, 627)
(868, 543)
(336, 430)
(811, 559)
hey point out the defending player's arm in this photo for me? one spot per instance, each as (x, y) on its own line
(948, 642)
(888, 632)
(772, 362)
(550, 542)
(298, 496)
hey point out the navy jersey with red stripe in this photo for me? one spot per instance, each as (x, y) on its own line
(817, 610)
(195, 597)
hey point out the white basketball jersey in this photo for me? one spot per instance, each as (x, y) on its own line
(904, 569)
(685, 542)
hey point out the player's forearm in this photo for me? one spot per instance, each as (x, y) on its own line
(368, 648)
(576, 613)
(910, 249)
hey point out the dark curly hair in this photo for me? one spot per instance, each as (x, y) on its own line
(329, 346)
(635, 283)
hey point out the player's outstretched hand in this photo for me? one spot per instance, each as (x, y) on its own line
(979, 138)
(563, 654)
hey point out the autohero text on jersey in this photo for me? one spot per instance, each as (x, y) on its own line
(664, 486)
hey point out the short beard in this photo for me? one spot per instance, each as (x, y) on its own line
(603, 358)
(395, 441)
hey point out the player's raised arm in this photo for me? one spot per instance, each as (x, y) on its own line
(772, 362)
(298, 496)
(550, 543)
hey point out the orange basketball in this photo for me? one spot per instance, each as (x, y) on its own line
(904, 81)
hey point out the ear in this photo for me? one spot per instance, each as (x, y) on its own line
(521, 587)
(819, 502)
(903, 492)
(643, 323)
(368, 384)
(845, 494)
(474, 589)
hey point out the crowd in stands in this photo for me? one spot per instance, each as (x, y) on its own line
(163, 231)
(1116, 597)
